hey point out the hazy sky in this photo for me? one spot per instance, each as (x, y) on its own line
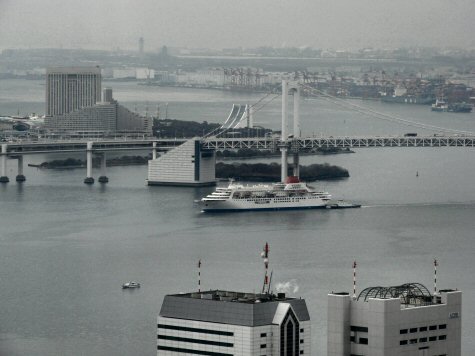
(335, 24)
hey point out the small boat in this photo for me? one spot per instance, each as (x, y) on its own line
(440, 105)
(130, 285)
(340, 204)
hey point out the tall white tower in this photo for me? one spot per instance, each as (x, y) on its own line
(295, 90)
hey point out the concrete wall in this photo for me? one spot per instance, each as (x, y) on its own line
(184, 165)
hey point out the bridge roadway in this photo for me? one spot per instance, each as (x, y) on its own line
(36, 147)
(309, 143)
(260, 143)
(16, 150)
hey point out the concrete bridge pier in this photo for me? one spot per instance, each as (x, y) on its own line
(154, 150)
(20, 177)
(3, 164)
(296, 165)
(89, 179)
(103, 178)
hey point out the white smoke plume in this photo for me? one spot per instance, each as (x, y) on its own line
(287, 287)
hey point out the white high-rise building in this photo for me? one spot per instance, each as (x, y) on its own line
(394, 321)
(223, 323)
(72, 88)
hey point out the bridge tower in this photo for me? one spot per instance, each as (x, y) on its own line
(294, 88)
(3, 164)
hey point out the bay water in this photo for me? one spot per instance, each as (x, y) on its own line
(66, 248)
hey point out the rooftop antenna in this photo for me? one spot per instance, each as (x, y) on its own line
(199, 275)
(435, 275)
(265, 258)
(354, 279)
(270, 282)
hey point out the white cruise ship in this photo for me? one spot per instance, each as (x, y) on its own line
(292, 194)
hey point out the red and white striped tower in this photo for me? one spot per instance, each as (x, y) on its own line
(435, 275)
(354, 279)
(265, 257)
(199, 275)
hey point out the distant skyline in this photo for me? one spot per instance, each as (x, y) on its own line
(336, 24)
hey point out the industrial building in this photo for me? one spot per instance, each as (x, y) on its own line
(224, 323)
(393, 321)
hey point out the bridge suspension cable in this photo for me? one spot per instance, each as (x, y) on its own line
(233, 124)
(382, 116)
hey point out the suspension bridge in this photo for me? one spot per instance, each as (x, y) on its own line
(192, 161)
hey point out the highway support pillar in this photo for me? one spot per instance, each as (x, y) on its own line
(154, 150)
(103, 178)
(20, 177)
(296, 167)
(3, 164)
(89, 179)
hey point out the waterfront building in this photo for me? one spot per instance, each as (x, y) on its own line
(102, 118)
(71, 88)
(392, 321)
(224, 323)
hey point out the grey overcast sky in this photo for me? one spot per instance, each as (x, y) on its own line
(337, 24)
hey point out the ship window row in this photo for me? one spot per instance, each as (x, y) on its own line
(196, 330)
(191, 351)
(195, 341)
(422, 329)
(423, 339)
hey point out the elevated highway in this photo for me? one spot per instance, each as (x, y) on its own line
(305, 144)
(16, 150)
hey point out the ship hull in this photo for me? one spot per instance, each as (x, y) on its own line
(229, 205)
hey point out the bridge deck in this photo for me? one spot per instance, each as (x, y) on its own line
(309, 143)
(267, 143)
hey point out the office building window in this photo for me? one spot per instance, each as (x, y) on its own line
(443, 326)
(263, 334)
(359, 328)
(433, 327)
(442, 337)
(413, 330)
(403, 342)
(363, 340)
(413, 341)
(403, 331)
(423, 328)
(263, 346)
(432, 338)
(423, 339)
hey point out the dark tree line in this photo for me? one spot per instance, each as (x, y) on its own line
(271, 172)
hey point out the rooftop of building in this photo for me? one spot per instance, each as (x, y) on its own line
(410, 294)
(74, 70)
(237, 297)
(228, 307)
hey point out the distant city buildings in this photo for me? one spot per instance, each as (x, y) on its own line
(392, 321)
(73, 104)
(224, 323)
